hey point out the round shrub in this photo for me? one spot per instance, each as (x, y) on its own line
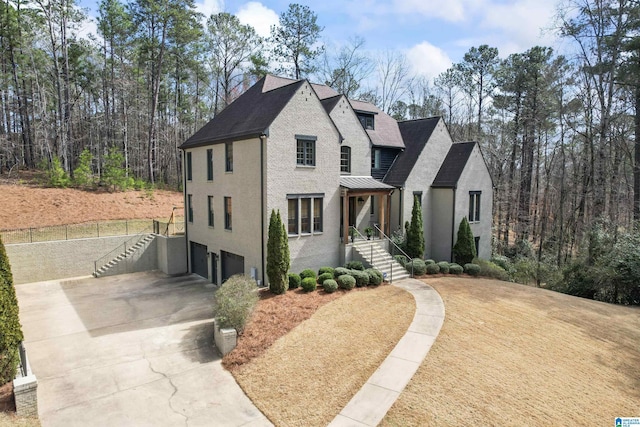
(307, 272)
(433, 269)
(502, 261)
(444, 267)
(429, 261)
(472, 269)
(324, 276)
(375, 276)
(309, 284)
(354, 265)
(455, 268)
(294, 280)
(234, 302)
(489, 269)
(346, 282)
(419, 267)
(362, 278)
(400, 259)
(340, 271)
(325, 270)
(330, 286)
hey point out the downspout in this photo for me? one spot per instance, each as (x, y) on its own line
(453, 223)
(263, 138)
(184, 204)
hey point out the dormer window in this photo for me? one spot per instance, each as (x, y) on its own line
(366, 120)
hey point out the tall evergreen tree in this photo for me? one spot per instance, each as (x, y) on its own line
(277, 255)
(464, 251)
(415, 232)
(10, 330)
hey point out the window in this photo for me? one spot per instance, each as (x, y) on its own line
(228, 155)
(189, 169)
(366, 120)
(477, 242)
(375, 159)
(305, 214)
(345, 159)
(189, 208)
(306, 152)
(292, 222)
(210, 207)
(210, 164)
(419, 195)
(317, 215)
(474, 206)
(372, 211)
(227, 213)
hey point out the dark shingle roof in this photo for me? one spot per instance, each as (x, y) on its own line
(385, 131)
(248, 116)
(415, 134)
(330, 103)
(453, 165)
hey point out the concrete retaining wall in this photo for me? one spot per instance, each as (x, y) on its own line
(172, 254)
(143, 259)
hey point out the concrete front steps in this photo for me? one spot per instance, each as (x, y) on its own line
(374, 253)
(103, 271)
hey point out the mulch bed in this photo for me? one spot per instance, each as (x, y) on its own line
(7, 402)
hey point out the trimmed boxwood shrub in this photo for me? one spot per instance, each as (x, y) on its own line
(472, 269)
(307, 272)
(234, 302)
(340, 271)
(346, 282)
(362, 278)
(325, 270)
(429, 261)
(375, 276)
(309, 284)
(330, 286)
(455, 268)
(354, 265)
(401, 259)
(444, 267)
(419, 267)
(433, 269)
(294, 280)
(325, 276)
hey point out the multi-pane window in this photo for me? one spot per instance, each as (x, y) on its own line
(306, 152)
(345, 159)
(292, 222)
(189, 168)
(375, 159)
(210, 164)
(210, 208)
(227, 213)
(228, 155)
(418, 194)
(305, 215)
(474, 206)
(366, 120)
(317, 215)
(190, 207)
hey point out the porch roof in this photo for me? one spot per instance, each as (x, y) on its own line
(361, 183)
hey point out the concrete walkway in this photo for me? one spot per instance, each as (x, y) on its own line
(369, 406)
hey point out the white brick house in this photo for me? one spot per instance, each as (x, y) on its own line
(326, 163)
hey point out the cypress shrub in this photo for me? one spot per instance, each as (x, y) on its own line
(464, 250)
(309, 284)
(277, 255)
(415, 231)
(10, 330)
(346, 282)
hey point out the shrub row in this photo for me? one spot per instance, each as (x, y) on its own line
(347, 277)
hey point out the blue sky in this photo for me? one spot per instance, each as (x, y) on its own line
(432, 33)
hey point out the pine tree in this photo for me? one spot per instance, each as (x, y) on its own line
(277, 255)
(10, 330)
(464, 251)
(82, 175)
(415, 232)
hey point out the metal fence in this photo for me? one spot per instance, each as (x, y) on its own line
(173, 227)
(76, 231)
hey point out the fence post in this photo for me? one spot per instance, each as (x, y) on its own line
(98, 228)
(126, 226)
(66, 232)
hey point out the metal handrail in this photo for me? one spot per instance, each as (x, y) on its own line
(352, 227)
(109, 255)
(396, 246)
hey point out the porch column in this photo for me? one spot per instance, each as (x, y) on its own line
(345, 216)
(388, 208)
(382, 207)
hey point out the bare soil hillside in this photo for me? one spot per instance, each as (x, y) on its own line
(26, 205)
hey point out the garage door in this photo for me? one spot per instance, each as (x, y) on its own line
(199, 260)
(231, 264)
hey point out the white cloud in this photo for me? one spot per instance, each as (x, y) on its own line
(428, 60)
(447, 10)
(88, 30)
(260, 17)
(209, 7)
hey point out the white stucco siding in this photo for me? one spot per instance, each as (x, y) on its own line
(354, 136)
(475, 177)
(421, 177)
(243, 186)
(304, 115)
(442, 200)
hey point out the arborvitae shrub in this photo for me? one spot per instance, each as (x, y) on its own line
(362, 278)
(400, 259)
(277, 255)
(354, 265)
(419, 267)
(340, 271)
(433, 269)
(455, 268)
(325, 270)
(472, 269)
(10, 330)
(464, 251)
(325, 276)
(415, 231)
(234, 302)
(346, 282)
(375, 276)
(330, 286)
(294, 280)
(309, 284)
(444, 267)
(307, 272)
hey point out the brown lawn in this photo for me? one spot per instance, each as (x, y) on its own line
(515, 355)
(307, 376)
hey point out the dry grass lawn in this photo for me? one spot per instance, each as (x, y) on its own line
(515, 355)
(306, 377)
(11, 419)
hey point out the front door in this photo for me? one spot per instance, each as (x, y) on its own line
(199, 260)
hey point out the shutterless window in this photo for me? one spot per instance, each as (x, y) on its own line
(366, 120)
(474, 206)
(189, 169)
(305, 215)
(228, 155)
(227, 213)
(292, 216)
(375, 159)
(210, 164)
(317, 215)
(306, 152)
(419, 195)
(345, 159)
(190, 207)
(210, 207)
(372, 199)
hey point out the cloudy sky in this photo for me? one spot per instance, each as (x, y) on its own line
(432, 33)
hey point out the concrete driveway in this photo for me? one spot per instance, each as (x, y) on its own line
(130, 350)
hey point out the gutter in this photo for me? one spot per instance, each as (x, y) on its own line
(263, 139)
(184, 203)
